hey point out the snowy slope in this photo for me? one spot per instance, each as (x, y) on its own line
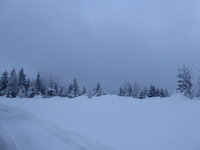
(122, 123)
(20, 130)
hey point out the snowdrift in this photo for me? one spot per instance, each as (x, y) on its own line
(19, 130)
(121, 123)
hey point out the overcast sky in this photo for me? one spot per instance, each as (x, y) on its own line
(107, 41)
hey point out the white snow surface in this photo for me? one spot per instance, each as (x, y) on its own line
(121, 123)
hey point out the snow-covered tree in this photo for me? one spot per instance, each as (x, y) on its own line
(143, 93)
(62, 92)
(136, 90)
(98, 91)
(161, 93)
(38, 85)
(50, 91)
(12, 89)
(23, 93)
(31, 91)
(3, 83)
(121, 92)
(21, 79)
(22, 84)
(56, 88)
(76, 88)
(166, 93)
(152, 91)
(84, 91)
(28, 82)
(90, 94)
(70, 91)
(184, 84)
(73, 90)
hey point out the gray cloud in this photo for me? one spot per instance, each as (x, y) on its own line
(107, 41)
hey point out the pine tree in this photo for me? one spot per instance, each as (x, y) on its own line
(136, 90)
(22, 84)
(73, 90)
(152, 91)
(130, 91)
(22, 79)
(84, 91)
(38, 85)
(166, 93)
(31, 90)
(3, 83)
(184, 84)
(70, 91)
(23, 93)
(76, 88)
(98, 90)
(121, 92)
(56, 88)
(157, 92)
(90, 94)
(28, 84)
(143, 93)
(61, 92)
(12, 89)
(50, 91)
(161, 93)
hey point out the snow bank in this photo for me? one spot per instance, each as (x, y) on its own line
(19, 130)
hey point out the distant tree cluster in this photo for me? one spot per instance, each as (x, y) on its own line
(136, 91)
(19, 85)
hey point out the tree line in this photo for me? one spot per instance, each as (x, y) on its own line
(19, 85)
(15, 84)
(136, 91)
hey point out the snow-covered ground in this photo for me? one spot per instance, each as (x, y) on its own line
(121, 123)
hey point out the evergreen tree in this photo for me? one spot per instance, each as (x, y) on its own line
(161, 93)
(136, 90)
(157, 92)
(61, 92)
(22, 79)
(12, 89)
(143, 93)
(70, 91)
(166, 93)
(23, 93)
(56, 88)
(184, 84)
(73, 89)
(31, 90)
(152, 91)
(22, 84)
(76, 88)
(98, 90)
(84, 91)
(38, 85)
(130, 91)
(121, 92)
(28, 82)
(90, 94)
(50, 91)
(3, 83)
